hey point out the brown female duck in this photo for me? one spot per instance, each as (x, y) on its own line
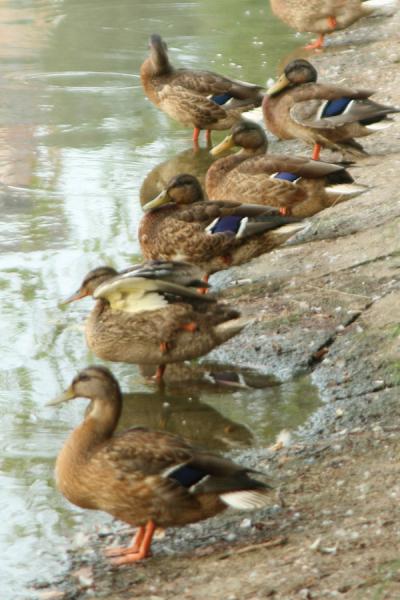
(146, 478)
(325, 115)
(299, 185)
(153, 314)
(199, 99)
(181, 225)
(325, 16)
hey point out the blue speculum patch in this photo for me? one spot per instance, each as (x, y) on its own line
(227, 224)
(286, 176)
(187, 476)
(336, 107)
(222, 98)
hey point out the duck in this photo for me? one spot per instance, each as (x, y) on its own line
(154, 314)
(300, 186)
(322, 114)
(326, 16)
(180, 225)
(195, 98)
(144, 477)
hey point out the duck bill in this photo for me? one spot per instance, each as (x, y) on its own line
(280, 85)
(64, 397)
(78, 295)
(159, 200)
(226, 144)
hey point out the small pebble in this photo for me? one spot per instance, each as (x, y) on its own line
(246, 523)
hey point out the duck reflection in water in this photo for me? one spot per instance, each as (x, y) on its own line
(184, 415)
(189, 161)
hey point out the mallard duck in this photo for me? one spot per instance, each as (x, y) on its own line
(146, 478)
(199, 99)
(299, 185)
(180, 225)
(321, 114)
(326, 16)
(153, 314)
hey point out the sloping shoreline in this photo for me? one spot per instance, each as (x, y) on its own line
(327, 305)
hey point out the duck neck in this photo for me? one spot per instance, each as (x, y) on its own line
(156, 65)
(101, 420)
(161, 64)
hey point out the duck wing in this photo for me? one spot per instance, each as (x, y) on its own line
(208, 83)
(151, 453)
(327, 106)
(188, 106)
(133, 293)
(181, 273)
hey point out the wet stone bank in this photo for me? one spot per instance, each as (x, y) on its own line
(327, 304)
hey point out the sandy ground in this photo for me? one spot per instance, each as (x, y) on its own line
(327, 305)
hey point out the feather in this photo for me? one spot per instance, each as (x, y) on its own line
(286, 176)
(333, 108)
(138, 294)
(346, 189)
(246, 499)
(229, 224)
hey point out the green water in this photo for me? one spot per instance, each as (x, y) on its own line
(77, 139)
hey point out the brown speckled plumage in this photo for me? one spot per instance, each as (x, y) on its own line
(313, 15)
(136, 337)
(177, 230)
(184, 94)
(131, 475)
(293, 108)
(249, 175)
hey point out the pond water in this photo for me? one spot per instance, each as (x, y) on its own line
(77, 140)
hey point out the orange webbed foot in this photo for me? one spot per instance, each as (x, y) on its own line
(128, 559)
(134, 548)
(139, 549)
(318, 43)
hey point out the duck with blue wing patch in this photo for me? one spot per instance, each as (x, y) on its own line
(328, 116)
(146, 478)
(180, 225)
(154, 314)
(195, 98)
(298, 186)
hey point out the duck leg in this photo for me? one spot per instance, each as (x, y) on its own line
(130, 555)
(285, 211)
(208, 138)
(332, 22)
(318, 43)
(133, 548)
(196, 133)
(316, 151)
(191, 327)
(204, 290)
(159, 373)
